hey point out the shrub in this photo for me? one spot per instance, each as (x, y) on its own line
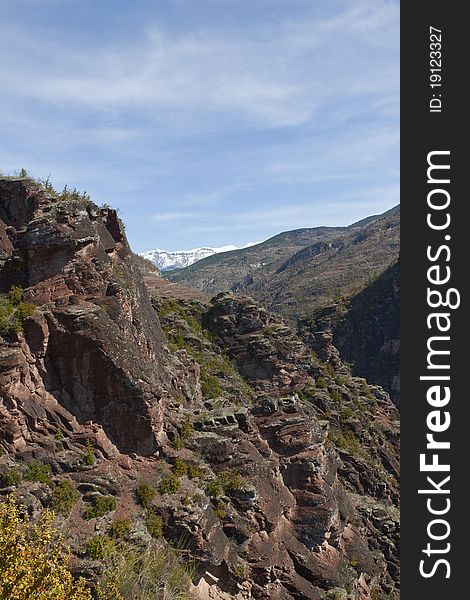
(180, 468)
(336, 396)
(120, 528)
(170, 484)
(226, 482)
(232, 481)
(89, 456)
(214, 488)
(34, 559)
(220, 510)
(10, 477)
(100, 546)
(64, 497)
(321, 383)
(178, 443)
(186, 429)
(145, 494)
(100, 506)
(154, 523)
(210, 386)
(39, 473)
(192, 472)
(59, 434)
(14, 312)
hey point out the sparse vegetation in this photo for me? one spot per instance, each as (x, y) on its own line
(186, 429)
(154, 523)
(99, 547)
(89, 455)
(100, 506)
(210, 385)
(131, 572)
(170, 484)
(14, 312)
(145, 494)
(34, 559)
(320, 383)
(39, 473)
(64, 497)
(226, 482)
(10, 477)
(120, 529)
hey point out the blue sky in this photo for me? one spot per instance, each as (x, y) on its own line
(206, 122)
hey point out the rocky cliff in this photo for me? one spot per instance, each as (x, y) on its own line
(270, 466)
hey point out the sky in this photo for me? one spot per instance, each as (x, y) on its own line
(206, 122)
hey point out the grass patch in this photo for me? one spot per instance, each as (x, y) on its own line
(154, 523)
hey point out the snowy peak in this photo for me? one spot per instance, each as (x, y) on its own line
(168, 261)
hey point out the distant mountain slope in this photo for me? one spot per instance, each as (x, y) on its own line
(167, 261)
(298, 271)
(366, 329)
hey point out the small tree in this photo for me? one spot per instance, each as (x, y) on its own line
(34, 559)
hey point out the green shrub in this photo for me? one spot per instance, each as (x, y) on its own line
(194, 472)
(89, 456)
(39, 473)
(145, 494)
(120, 528)
(59, 434)
(321, 383)
(154, 523)
(170, 484)
(346, 441)
(64, 497)
(15, 295)
(210, 385)
(10, 477)
(14, 312)
(226, 482)
(180, 468)
(186, 429)
(336, 396)
(99, 547)
(100, 506)
(220, 510)
(178, 443)
(214, 488)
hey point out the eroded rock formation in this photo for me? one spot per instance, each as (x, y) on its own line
(274, 464)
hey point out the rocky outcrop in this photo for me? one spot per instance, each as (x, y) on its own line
(273, 464)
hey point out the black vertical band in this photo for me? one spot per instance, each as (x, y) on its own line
(434, 272)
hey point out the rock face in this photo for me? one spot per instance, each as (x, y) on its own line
(275, 465)
(366, 330)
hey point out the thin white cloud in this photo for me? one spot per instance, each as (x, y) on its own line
(260, 77)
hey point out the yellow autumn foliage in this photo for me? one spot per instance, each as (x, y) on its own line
(34, 559)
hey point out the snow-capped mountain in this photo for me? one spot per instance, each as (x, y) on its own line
(168, 261)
